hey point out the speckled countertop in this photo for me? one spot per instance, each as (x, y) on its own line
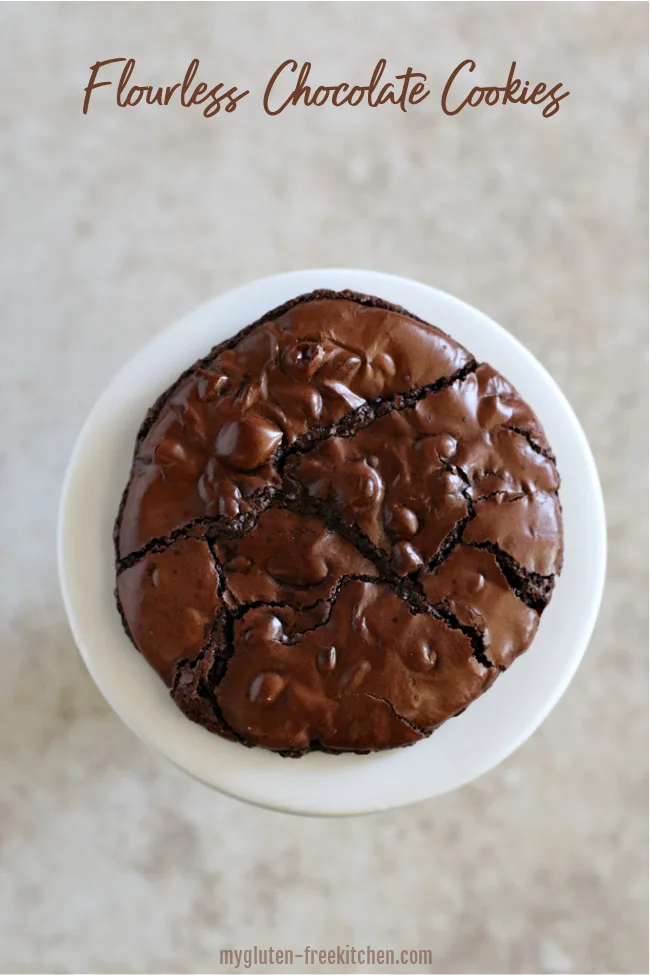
(114, 224)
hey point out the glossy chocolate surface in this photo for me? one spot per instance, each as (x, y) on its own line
(210, 450)
(374, 675)
(289, 558)
(170, 601)
(338, 530)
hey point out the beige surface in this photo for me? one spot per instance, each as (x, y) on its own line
(113, 225)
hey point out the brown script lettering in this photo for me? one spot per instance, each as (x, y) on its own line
(492, 96)
(127, 97)
(289, 86)
(343, 93)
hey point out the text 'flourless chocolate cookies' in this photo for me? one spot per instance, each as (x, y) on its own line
(338, 530)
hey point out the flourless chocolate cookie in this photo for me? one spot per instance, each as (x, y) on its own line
(338, 530)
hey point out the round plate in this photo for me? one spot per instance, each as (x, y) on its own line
(321, 784)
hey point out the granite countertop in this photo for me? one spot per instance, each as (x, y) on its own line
(115, 223)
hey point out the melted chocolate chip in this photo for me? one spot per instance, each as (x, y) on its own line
(247, 443)
(266, 688)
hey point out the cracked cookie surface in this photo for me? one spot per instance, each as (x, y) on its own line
(338, 530)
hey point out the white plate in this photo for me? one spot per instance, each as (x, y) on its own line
(324, 784)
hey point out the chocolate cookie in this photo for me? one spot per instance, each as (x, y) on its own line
(338, 530)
